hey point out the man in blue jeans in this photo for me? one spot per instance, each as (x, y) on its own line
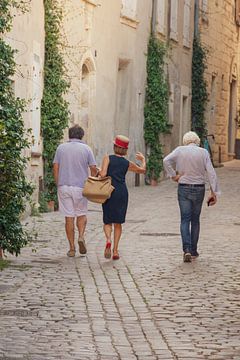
(188, 165)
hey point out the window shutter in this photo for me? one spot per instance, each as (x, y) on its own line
(129, 8)
(174, 20)
(186, 23)
(204, 6)
(238, 12)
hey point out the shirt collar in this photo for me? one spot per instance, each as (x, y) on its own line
(75, 140)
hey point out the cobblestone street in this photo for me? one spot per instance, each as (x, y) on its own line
(148, 305)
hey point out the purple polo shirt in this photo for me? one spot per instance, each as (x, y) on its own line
(74, 158)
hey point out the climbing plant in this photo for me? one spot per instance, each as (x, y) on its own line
(15, 190)
(156, 106)
(199, 88)
(54, 108)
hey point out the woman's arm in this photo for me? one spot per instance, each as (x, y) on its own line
(104, 168)
(136, 168)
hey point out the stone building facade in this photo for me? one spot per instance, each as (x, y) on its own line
(106, 59)
(173, 22)
(219, 24)
(27, 37)
(105, 49)
(105, 45)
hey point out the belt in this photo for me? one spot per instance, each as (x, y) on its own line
(192, 185)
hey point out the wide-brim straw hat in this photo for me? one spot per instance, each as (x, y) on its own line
(121, 141)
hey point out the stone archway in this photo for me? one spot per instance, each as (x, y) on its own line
(87, 95)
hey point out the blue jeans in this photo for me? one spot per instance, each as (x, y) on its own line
(190, 199)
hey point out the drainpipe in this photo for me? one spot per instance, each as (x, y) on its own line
(154, 16)
(196, 18)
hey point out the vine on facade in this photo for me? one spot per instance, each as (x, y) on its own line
(54, 108)
(156, 106)
(199, 89)
(15, 190)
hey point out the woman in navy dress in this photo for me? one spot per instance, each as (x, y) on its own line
(115, 208)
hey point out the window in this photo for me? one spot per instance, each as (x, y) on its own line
(237, 12)
(129, 8)
(174, 20)
(186, 23)
(161, 11)
(36, 102)
(204, 9)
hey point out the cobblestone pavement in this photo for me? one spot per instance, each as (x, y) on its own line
(148, 305)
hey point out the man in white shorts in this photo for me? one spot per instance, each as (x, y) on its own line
(71, 165)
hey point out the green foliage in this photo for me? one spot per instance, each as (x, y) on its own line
(156, 106)
(15, 190)
(199, 88)
(4, 264)
(54, 108)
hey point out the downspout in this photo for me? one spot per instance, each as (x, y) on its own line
(154, 16)
(196, 18)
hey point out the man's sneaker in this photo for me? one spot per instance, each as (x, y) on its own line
(82, 245)
(187, 257)
(195, 255)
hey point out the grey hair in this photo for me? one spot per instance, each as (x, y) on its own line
(191, 138)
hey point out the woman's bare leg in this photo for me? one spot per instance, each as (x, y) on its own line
(117, 235)
(108, 231)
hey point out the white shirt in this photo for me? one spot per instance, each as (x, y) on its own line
(193, 163)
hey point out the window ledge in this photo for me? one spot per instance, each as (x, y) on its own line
(35, 154)
(129, 21)
(91, 2)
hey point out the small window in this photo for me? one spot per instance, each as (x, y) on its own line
(129, 8)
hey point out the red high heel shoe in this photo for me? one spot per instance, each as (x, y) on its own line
(107, 251)
(116, 257)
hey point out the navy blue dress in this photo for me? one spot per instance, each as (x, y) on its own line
(115, 208)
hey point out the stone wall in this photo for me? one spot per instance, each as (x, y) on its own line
(220, 35)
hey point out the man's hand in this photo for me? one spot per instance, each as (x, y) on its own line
(176, 178)
(56, 172)
(212, 199)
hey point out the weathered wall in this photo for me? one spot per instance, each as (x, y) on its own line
(107, 63)
(220, 35)
(27, 36)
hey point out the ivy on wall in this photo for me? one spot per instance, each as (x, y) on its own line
(156, 106)
(54, 108)
(199, 89)
(15, 190)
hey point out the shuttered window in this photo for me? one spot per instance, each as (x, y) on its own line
(186, 23)
(161, 12)
(174, 20)
(238, 12)
(129, 8)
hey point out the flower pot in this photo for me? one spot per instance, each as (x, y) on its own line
(153, 182)
(50, 206)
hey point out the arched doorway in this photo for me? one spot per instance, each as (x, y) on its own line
(87, 97)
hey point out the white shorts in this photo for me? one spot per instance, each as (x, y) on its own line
(71, 201)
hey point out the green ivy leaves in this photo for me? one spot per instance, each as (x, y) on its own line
(15, 190)
(199, 88)
(156, 106)
(54, 107)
